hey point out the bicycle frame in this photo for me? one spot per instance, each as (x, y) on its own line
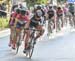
(31, 43)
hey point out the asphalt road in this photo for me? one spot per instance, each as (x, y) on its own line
(61, 48)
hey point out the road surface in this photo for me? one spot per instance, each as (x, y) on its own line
(61, 48)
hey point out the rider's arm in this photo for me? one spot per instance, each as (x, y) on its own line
(16, 20)
(18, 17)
(28, 22)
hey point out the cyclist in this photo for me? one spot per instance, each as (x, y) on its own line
(11, 24)
(51, 15)
(21, 22)
(35, 23)
(59, 13)
(40, 9)
(71, 16)
(71, 9)
(65, 9)
(50, 12)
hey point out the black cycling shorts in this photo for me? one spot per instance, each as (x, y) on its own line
(18, 25)
(33, 24)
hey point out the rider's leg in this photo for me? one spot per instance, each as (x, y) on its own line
(11, 35)
(26, 46)
(27, 34)
(23, 34)
(39, 27)
(17, 31)
(10, 42)
(62, 21)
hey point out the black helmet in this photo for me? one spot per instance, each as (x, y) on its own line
(23, 11)
(50, 6)
(59, 8)
(38, 7)
(18, 10)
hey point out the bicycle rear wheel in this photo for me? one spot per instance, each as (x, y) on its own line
(49, 28)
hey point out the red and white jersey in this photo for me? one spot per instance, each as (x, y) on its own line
(22, 18)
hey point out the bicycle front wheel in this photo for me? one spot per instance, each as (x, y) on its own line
(31, 52)
(31, 49)
(18, 43)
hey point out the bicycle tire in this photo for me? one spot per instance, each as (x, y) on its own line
(58, 25)
(49, 28)
(17, 48)
(18, 44)
(30, 52)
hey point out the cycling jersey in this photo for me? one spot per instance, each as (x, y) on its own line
(11, 21)
(34, 22)
(21, 20)
(59, 12)
(71, 10)
(50, 13)
(65, 9)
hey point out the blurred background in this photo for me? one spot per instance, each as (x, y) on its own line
(6, 5)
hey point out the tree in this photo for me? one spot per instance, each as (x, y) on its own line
(31, 2)
(61, 1)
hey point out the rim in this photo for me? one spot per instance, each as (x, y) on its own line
(29, 53)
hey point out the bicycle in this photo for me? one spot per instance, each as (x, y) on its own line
(31, 43)
(71, 20)
(19, 41)
(59, 23)
(50, 26)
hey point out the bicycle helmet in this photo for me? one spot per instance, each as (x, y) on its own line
(59, 8)
(50, 6)
(17, 10)
(38, 7)
(23, 11)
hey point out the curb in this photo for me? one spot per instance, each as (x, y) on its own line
(4, 33)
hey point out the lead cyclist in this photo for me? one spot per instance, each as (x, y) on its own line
(35, 22)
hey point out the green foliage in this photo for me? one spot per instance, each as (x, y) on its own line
(61, 1)
(4, 22)
(33, 2)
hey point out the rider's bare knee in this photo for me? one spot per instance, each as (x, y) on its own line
(42, 32)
